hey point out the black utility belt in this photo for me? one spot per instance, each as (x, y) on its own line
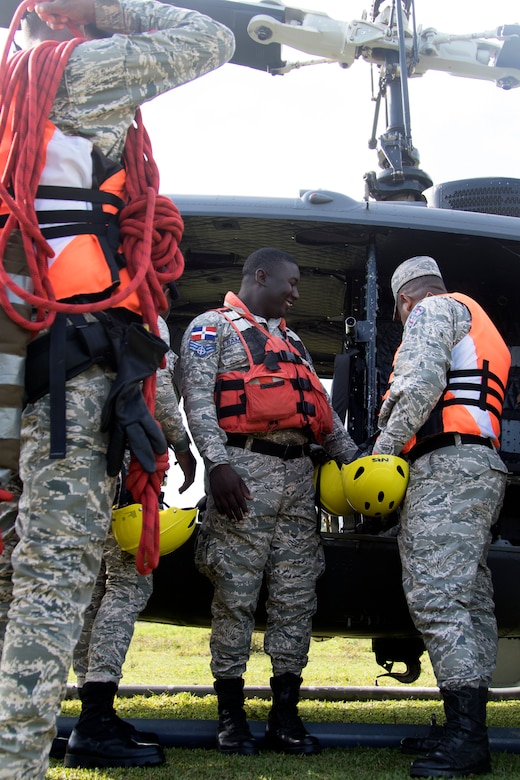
(263, 447)
(446, 440)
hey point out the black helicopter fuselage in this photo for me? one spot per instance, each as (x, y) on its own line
(347, 251)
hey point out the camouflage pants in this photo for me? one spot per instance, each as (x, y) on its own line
(62, 523)
(278, 538)
(120, 594)
(453, 498)
(8, 514)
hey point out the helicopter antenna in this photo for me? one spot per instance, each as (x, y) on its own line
(401, 177)
(404, 77)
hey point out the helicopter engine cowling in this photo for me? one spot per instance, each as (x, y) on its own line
(487, 195)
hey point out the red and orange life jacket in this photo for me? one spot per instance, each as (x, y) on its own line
(279, 390)
(79, 197)
(474, 395)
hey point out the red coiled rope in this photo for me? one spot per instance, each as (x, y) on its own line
(151, 228)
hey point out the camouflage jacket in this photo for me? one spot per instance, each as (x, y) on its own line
(221, 352)
(434, 327)
(167, 409)
(107, 79)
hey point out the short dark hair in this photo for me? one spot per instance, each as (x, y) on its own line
(266, 258)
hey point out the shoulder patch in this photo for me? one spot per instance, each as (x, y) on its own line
(234, 338)
(201, 348)
(416, 312)
(203, 340)
(204, 333)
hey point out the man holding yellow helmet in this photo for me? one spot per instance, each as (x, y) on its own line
(443, 410)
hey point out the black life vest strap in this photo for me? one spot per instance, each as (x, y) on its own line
(301, 383)
(485, 389)
(92, 227)
(470, 386)
(57, 216)
(231, 410)
(95, 196)
(483, 372)
(95, 226)
(306, 409)
(473, 402)
(230, 384)
(286, 356)
(57, 379)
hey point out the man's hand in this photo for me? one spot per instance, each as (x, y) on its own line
(229, 492)
(58, 14)
(188, 464)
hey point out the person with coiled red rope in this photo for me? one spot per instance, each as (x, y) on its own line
(79, 206)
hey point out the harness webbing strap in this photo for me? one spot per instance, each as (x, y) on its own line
(102, 197)
(473, 402)
(94, 228)
(57, 379)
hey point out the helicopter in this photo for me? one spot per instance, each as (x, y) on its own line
(347, 250)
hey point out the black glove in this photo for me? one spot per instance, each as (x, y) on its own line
(318, 455)
(125, 413)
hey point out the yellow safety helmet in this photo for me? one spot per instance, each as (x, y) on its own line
(331, 494)
(175, 527)
(375, 485)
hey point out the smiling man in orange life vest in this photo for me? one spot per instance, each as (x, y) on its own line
(254, 404)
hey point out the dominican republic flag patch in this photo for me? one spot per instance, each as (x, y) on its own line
(202, 340)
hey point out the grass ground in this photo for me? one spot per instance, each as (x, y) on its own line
(170, 655)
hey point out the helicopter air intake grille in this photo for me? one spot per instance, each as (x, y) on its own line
(485, 195)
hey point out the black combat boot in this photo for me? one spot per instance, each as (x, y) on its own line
(285, 731)
(101, 739)
(92, 690)
(423, 745)
(233, 732)
(463, 750)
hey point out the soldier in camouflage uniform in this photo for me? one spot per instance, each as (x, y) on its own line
(65, 507)
(119, 596)
(443, 410)
(260, 517)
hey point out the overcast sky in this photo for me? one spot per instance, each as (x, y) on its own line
(240, 131)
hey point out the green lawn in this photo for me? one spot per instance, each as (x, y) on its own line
(171, 655)
(174, 655)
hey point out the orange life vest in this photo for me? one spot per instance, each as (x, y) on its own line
(474, 395)
(79, 197)
(278, 391)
